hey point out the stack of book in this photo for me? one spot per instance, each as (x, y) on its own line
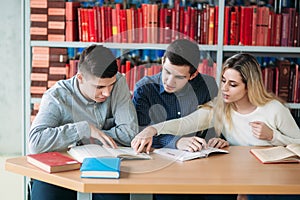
(48, 20)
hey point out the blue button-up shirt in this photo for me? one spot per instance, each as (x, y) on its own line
(153, 104)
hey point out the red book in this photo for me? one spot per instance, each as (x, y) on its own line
(193, 23)
(168, 26)
(254, 22)
(262, 26)
(53, 162)
(211, 25)
(216, 24)
(99, 25)
(285, 29)
(277, 29)
(162, 24)
(291, 25)
(93, 36)
(123, 25)
(270, 41)
(226, 25)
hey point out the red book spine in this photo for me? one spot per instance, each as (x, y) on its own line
(254, 22)
(162, 24)
(277, 34)
(168, 26)
(192, 23)
(186, 24)
(140, 25)
(270, 42)
(226, 25)
(211, 25)
(92, 25)
(285, 29)
(216, 24)
(99, 25)
(123, 26)
(108, 24)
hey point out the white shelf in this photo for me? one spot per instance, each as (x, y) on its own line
(113, 45)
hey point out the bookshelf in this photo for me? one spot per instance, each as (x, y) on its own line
(220, 50)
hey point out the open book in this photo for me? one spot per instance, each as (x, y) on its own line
(95, 150)
(180, 155)
(279, 154)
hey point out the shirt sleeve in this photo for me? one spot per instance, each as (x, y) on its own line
(124, 114)
(199, 120)
(286, 130)
(142, 105)
(165, 140)
(47, 133)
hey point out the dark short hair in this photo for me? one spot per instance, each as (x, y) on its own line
(98, 61)
(184, 52)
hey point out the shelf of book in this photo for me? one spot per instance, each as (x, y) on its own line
(217, 47)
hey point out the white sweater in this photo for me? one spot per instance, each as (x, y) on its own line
(275, 115)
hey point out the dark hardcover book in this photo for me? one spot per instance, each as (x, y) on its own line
(53, 162)
(100, 168)
(283, 78)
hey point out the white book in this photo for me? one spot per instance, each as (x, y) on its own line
(180, 155)
(95, 150)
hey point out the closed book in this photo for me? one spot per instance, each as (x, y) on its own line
(100, 168)
(53, 162)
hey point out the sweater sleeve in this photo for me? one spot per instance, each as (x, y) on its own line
(287, 130)
(196, 121)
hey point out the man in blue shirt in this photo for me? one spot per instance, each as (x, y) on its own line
(94, 106)
(175, 92)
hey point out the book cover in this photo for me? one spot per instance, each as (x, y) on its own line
(53, 162)
(279, 154)
(95, 150)
(100, 168)
(182, 156)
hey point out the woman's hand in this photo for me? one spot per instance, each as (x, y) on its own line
(217, 143)
(143, 141)
(261, 131)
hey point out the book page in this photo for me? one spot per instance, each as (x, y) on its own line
(180, 155)
(88, 151)
(295, 148)
(95, 150)
(127, 153)
(272, 154)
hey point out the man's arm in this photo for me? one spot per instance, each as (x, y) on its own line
(47, 133)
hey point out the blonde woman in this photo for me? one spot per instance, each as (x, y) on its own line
(243, 111)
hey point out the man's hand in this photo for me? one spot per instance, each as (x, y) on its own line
(261, 131)
(143, 140)
(191, 144)
(107, 141)
(217, 143)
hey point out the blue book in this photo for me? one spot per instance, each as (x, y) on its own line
(100, 168)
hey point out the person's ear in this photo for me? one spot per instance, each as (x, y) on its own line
(79, 77)
(193, 75)
(163, 59)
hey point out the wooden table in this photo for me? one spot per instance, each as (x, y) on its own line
(238, 172)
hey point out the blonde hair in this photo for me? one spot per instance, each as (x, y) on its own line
(251, 75)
